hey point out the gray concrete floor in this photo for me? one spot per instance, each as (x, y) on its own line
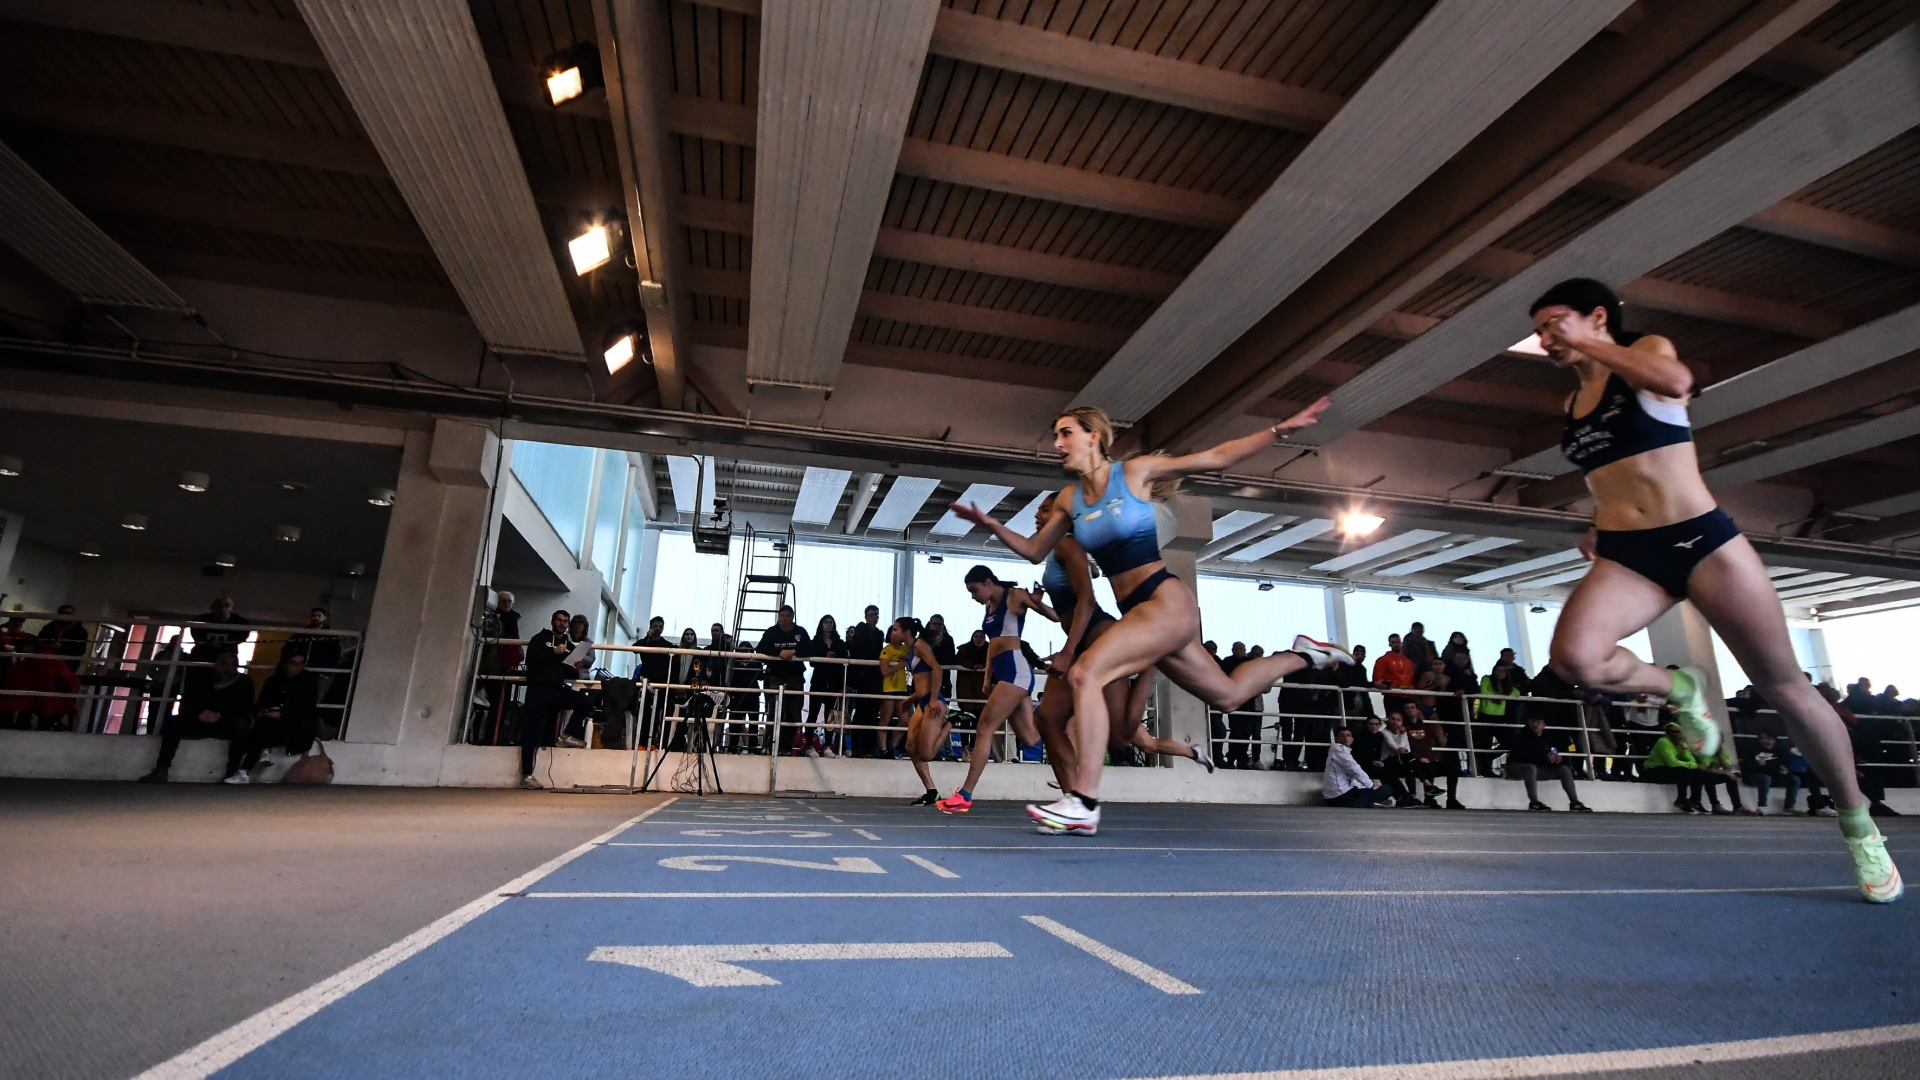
(136, 921)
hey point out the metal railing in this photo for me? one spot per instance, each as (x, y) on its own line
(752, 719)
(129, 674)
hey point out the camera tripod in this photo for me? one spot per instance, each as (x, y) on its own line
(699, 758)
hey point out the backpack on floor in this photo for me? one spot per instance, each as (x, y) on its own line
(315, 768)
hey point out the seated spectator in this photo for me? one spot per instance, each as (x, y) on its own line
(287, 713)
(1722, 770)
(1531, 754)
(1765, 764)
(42, 688)
(1383, 754)
(209, 641)
(1346, 783)
(1671, 761)
(1431, 763)
(217, 704)
(69, 636)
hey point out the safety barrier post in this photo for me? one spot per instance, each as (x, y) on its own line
(1466, 717)
(634, 737)
(773, 758)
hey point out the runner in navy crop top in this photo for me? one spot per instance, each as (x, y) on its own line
(1659, 539)
(1109, 513)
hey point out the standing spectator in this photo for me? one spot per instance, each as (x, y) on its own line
(1860, 696)
(1459, 660)
(1495, 711)
(1865, 736)
(971, 682)
(287, 713)
(864, 642)
(1346, 783)
(1219, 724)
(1744, 707)
(1419, 650)
(69, 637)
(1393, 671)
(549, 692)
(508, 620)
(785, 680)
(43, 689)
(942, 644)
(828, 680)
(209, 641)
(218, 704)
(1357, 703)
(497, 662)
(1765, 764)
(895, 683)
(320, 650)
(656, 671)
(1671, 761)
(1243, 727)
(1518, 674)
(1531, 754)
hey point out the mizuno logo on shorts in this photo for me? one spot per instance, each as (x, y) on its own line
(1688, 544)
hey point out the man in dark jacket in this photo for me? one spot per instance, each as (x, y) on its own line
(287, 713)
(69, 636)
(786, 674)
(657, 670)
(217, 704)
(209, 641)
(549, 692)
(865, 639)
(1531, 754)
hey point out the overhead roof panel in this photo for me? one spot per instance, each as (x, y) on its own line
(421, 88)
(42, 225)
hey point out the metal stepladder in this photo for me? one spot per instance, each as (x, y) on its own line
(766, 579)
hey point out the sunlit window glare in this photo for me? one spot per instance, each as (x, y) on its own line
(1529, 345)
(564, 86)
(619, 354)
(1360, 524)
(589, 249)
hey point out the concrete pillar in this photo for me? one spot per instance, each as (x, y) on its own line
(415, 661)
(902, 584)
(1682, 636)
(1821, 659)
(1186, 526)
(1519, 636)
(1336, 601)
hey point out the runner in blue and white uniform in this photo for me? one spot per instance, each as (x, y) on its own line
(927, 726)
(1159, 623)
(1009, 677)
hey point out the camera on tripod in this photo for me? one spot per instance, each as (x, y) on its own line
(702, 703)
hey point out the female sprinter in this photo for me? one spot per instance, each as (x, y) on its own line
(1011, 677)
(1658, 539)
(927, 727)
(1066, 579)
(1159, 620)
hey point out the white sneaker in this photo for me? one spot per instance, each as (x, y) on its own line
(572, 743)
(1066, 815)
(529, 783)
(1323, 655)
(1200, 755)
(238, 778)
(1825, 811)
(265, 762)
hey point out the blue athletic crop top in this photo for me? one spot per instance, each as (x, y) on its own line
(915, 665)
(1059, 586)
(1001, 622)
(1121, 532)
(1625, 423)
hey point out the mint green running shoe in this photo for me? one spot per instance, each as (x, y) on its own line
(1879, 879)
(1689, 701)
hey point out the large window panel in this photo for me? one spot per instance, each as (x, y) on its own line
(630, 569)
(840, 580)
(693, 590)
(1234, 609)
(1878, 646)
(940, 589)
(606, 519)
(1372, 615)
(559, 479)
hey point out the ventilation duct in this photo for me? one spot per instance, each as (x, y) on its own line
(421, 87)
(42, 225)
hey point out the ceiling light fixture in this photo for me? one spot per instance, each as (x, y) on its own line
(624, 341)
(290, 485)
(134, 522)
(936, 559)
(572, 72)
(11, 466)
(591, 249)
(225, 560)
(286, 533)
(356, 569)
(1360, 523)
(195, 482)
(379, 496)
(90, 551)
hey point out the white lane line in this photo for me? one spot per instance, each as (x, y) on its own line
(865, 833)
(255, 1031)
(1607, 1061)
(1771, 851)
(854, 865)
(718, 965)
(1188, 895)
(1145, 972)
(930, 866)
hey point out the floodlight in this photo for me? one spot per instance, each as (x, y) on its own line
(380, 496)
(134, 522)
(1360, 523)
(194, 481)
(591, 249)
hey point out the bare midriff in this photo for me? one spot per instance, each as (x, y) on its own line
(1646, 491)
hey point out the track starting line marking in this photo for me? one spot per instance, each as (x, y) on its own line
(1018, 894)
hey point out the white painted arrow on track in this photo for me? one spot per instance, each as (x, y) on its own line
(846, 865)
(796, 834)
(718, 965)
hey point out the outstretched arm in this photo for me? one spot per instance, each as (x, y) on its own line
(1147, 468)
(1031, 548)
